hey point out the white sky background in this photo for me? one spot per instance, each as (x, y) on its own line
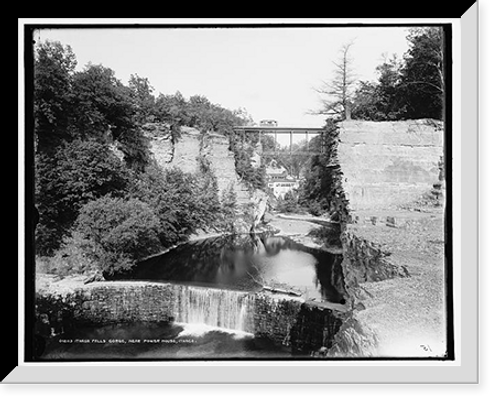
(271, 72)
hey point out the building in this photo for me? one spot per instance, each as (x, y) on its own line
(279, 181)
(281, 187)
(276, 173)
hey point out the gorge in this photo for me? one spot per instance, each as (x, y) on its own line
(219, 282)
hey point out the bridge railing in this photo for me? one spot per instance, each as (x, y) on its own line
(287, 131)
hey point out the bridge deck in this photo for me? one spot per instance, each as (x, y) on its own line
(290, 131)
(280, 130)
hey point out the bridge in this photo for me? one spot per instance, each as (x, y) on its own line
(287, 131)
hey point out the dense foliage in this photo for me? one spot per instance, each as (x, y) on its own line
(199, 112)
(228, 209)
(289, 203)
(183, 202)
(120, 232)
(122, 209)
(54, 66)
(316, 190)
(409, 88)
(115, 210)
(74, 174)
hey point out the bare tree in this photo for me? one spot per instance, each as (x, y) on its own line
(340, 89)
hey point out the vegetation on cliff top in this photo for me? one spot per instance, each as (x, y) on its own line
(104, 209)
(408, 88)
(80, 117)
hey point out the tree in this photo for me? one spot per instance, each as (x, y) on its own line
(183, 202)
(206, 116)
(244, 116)
(289, 203)
(173, 110)
(253, 176)
(201, 113)
(91, 103)
(80, 117)
(142, 98)
(120, 232)
(53, 69)
(382, 100)
(244, 146)
(422, 74)
(229, 208)
(408, 89)
(103, 109)
(340, 88)
(389, 97)
(73, 175)
(77, 116)
(316, 189)
(365, 102)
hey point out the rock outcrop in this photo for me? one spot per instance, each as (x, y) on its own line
(364, 261)
(389, 164)
(194, 147)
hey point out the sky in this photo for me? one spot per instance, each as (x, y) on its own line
(270, 72)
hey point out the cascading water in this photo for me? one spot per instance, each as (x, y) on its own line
(226, 309)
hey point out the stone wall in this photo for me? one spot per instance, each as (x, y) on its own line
(388, 164)
(275, 316)
(285, 320)
(103, 303)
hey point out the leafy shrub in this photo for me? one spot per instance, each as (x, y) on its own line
(182, 202)
(289, 203)
(120, 232)
(315, 208)
(78, 172)
(71, 258)
(228, 209)
(321, 188)
(254, 177)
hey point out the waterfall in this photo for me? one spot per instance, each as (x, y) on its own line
(227, 309)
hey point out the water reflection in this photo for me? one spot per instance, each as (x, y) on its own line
(247, 262)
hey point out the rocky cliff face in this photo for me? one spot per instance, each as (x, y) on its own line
(389, 164)
(378, 167)
(193, 147)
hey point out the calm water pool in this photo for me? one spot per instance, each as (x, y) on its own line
(246, 263)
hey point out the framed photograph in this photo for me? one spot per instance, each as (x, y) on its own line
(248, 201)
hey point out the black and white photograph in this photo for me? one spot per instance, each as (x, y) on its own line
(239, 192)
